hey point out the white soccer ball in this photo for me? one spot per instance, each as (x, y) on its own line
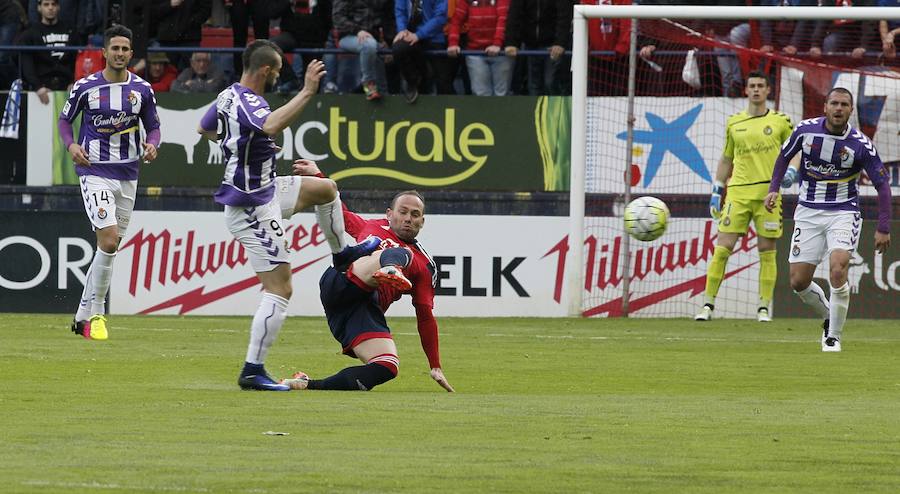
(646, 218)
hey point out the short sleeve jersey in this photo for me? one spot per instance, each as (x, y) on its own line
(753, 143)
(249, 153)
(111, 113)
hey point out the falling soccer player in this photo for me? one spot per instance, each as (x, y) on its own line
(356, 296)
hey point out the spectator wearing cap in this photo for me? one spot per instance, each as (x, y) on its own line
(201, 76)
(160, 73)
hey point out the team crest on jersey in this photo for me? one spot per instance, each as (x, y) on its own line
(767, 130)
(726, 221)
(101, 213)
(133, 97)
(795, 251)
(847, 156)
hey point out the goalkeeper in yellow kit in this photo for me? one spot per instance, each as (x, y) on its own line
(753, 139)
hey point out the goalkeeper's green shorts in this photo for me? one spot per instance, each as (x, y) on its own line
(737, 213)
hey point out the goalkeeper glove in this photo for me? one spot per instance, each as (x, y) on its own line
(715, 201)
(790, 176)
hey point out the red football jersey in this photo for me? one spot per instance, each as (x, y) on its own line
(422, 272)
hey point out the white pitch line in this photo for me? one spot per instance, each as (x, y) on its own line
(669, 338)
(112, 486)
(169, 330)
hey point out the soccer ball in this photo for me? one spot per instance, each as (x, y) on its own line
(646, 218)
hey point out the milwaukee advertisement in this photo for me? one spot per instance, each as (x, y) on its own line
(188, 263)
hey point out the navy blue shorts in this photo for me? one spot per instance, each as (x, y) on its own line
(353, 313)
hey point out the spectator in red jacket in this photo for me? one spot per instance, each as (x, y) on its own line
(160, 73)
(609, 35)
(489, 74)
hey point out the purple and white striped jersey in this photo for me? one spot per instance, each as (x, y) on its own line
(238, 118)
(831, 164)
(110, 128)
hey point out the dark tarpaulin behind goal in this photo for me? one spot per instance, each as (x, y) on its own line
(46, 255)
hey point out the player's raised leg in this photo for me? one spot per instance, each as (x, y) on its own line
(299, 192)
(384, 267)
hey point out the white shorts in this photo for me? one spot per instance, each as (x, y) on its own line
(817, 232)
(260, 229)
(108, 201)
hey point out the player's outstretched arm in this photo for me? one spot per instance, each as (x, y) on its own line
(279, 119)
(438, 375)
(428, 334)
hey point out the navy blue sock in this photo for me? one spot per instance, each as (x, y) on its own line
(253, 369)
(395, 256)
(359, 378)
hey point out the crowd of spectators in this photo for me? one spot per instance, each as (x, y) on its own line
(410, 47)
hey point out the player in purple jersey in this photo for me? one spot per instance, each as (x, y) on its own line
(256, 201)
(827, 221)
(113, 104)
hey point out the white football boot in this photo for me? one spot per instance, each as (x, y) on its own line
(705, 313)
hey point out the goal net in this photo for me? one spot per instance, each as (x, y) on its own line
(649, 109)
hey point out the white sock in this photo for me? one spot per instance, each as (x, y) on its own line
(814, 297)
(101, 273)
(331, 221)
(266, 324)
(87, 296)
(840, 302)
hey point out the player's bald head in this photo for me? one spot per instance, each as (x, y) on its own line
(259, 54)
(413, 193)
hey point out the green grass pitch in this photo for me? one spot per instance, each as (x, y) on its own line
(542, 405)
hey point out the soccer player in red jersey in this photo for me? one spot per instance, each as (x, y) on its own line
(355, 297)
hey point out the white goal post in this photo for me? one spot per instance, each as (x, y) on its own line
(575, 260)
